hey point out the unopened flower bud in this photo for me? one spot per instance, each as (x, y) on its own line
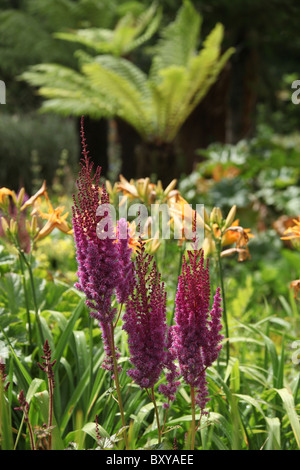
(205, 215)
(170, 187)
(145, 186)
(4, 224)
(13, 227)
(230, 217)
(20, 197)
(216, 216)
(34, 225)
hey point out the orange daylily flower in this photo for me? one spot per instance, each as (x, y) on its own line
(219, 172)
(4, 192)
(55, 220)
(134, 241)
(41, 192)
(183, 215)
(294, 231)
(236, 234)
(296, 286)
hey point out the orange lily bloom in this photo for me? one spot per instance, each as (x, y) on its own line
(296, 286)
(41, 192)
(293, 231)
(236, 234)
(55, 220)
(4, 192)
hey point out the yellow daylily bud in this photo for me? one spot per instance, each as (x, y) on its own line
(14, 197)
(230, 217)
(208, 246)
(20, 197)
(13, 227)
(34, 225)
(145, 186)
(216, 216)
(4, 224)
(28, 226)
(170, 187)
(205, 215)
(159, 187)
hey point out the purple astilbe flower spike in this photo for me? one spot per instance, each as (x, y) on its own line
(97, 257)
(196, 336)
(145, 323)
(126, 283)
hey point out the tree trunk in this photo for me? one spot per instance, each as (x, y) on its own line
(160, 162)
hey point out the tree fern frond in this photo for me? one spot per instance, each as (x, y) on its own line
(178, 40)
(168, 96)
(53, 75)
(129, 33)
(98, 39)
(64, 88)
(128, 100)
(76, 106)
(127, 70)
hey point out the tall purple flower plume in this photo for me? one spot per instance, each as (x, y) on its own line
(97, 258)
(125, 286)
(196, 335)
(145, 323)
(99, 269)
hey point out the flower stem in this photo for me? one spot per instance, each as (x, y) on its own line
(117, 382)
(224, 302)
(156, 414)
(193, 427)
(38, 321)
(26, 299)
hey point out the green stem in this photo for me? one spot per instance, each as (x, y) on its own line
(117, 382)
(37, 316)
(156, 415)
(193, 427)
(26, 299)
(181, 253)
(50, 416)
(224, 302)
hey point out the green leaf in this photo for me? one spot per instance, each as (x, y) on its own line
(235, 377)
(65, 337)
(289, 405)
(42, 399)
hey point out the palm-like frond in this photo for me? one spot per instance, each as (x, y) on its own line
(126, 86)
(178, 41)
(180, 89)
(129, 33)
(156, 105)
(68, 92)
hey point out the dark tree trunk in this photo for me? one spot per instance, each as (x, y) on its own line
(128, 138)
(160, 162)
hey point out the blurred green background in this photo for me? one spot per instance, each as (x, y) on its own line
(251, 98)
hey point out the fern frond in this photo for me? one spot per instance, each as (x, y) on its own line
(129, 33)
(67, 92)
(178, 41)
(125, 85)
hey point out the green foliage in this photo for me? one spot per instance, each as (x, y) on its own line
(262, 171)
(156, 105)
(31, 148)
(254, 399)
(129, 33)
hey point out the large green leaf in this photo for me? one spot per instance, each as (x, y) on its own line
(157, 104)
(129, 33)
(289, 405)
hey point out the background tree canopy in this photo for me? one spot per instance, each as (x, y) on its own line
(253, 85)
